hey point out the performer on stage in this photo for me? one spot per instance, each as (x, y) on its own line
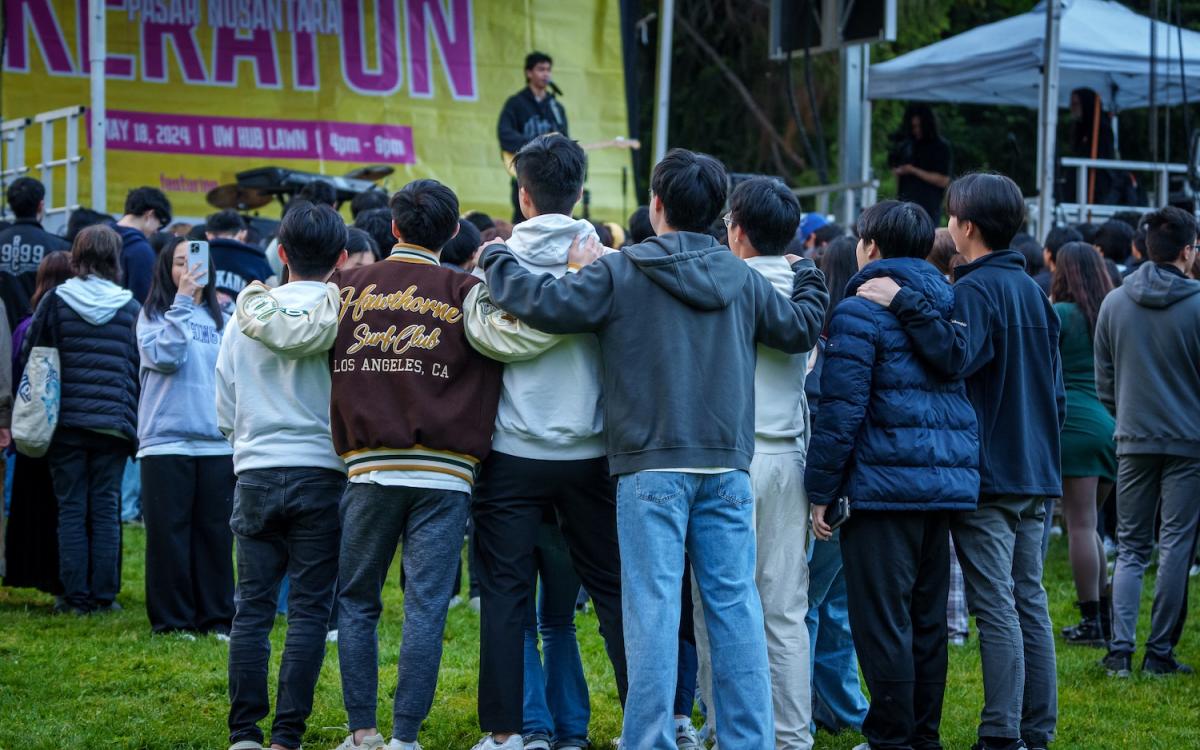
(922, 161)
(529, 113)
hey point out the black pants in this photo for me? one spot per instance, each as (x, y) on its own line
(286, 521)
(897, 568)
(87, 483)
(510, 500)
(186, 503)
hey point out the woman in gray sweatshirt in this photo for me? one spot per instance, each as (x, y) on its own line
(187, 466)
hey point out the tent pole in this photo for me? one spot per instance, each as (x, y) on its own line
(97, 55)
(662, 89)
(1154, 81)
(1048, 119)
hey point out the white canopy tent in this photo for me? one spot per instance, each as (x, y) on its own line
(1102, 46)
(1096, 44)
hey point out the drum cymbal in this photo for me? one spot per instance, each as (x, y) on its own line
(372, 172)
(237, 197)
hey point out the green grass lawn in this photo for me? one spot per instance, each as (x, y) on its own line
(106, 682)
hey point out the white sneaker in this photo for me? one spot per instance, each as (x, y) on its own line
(222, 637)
(370, 742)
(539, 744)
(331, 636)
(473, 603)
(454, 601)
(515, 742)
(395, 744)
(863, 746)
(246, 745)
(686, 737)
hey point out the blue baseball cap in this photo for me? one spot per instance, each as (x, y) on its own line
(809, 224)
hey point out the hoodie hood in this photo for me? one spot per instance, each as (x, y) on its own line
(541, 243)
(96, 300)
(692, 267)
(1157, 287)
(909, 273)
(775, 269)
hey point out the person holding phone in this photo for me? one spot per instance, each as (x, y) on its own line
(902, 445)
(187, 465)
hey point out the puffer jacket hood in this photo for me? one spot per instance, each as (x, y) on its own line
(912, 273)
(1154, 286)
(96, 300)
(541, 243)
(692, 267)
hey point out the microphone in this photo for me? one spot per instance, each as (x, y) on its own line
(554, 88)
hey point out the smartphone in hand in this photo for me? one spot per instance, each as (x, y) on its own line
(198, 254)
(838, 513)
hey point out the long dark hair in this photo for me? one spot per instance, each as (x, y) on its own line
(163, 289)
(929, 123)
(839, 263)
(1080, 277)
(54, 269)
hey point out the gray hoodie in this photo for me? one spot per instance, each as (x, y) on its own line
(678, 318)
(550, 406)
(1148, 362)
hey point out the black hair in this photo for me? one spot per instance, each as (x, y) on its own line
(535, 58)
(462, 246)
(900, 229)
(767, 211)
(1087, 232)
(692, 187)
(313, 235)
(143, 199)
(97, 250)
(828, 233)
(367, 200)
(1139, 241)
(1132, 218)
(358, 241)
(84, 217)
(377, 222)
(719, 232)
(839, 263)
(480, 220)
(425, 213)
(640, 228)
(318, 191)
(224, 222)
(1029, 247)
(924, 113)
(163, 288)
(603, 233)
(551, 168)
(198, 232)
(1059, 236)
(1115, 240)
(24, 195)
(1168, 231)
(159, 240)
(990, 201)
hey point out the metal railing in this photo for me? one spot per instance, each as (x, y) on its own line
(12, 133)
(1081, 209)
(866, 193)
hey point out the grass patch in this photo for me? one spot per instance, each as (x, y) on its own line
(106, 682)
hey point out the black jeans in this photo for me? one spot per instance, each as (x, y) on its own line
(897, 568)
(186, 503)
(511, 498)
(286, 521)
(87, 483)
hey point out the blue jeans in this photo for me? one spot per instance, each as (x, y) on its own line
(131, 491)
(659, 515)
(556, 695)
(837, 694)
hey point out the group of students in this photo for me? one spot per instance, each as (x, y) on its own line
(634, 421)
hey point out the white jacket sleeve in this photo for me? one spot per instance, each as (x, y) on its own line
(498, 335)
(226, 394)
(290, 331)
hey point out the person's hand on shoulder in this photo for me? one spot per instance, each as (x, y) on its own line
(581, 254)
(881, 291)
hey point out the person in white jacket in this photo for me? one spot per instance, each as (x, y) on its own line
(273, 385)
(547, 460)
(761, 221)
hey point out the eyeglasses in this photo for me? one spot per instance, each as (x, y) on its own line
(728, 219)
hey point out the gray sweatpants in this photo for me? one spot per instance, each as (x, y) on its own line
(1000, 549)
(1146, 483)
(430, 524)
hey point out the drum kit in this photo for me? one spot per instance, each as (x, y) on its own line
(256, 188)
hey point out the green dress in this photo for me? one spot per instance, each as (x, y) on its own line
(1088, 449)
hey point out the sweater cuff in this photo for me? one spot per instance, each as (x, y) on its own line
(903, 301)
(184, 300)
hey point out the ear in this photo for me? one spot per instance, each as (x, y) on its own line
(283, 255)
(396, 231)
(457, 227)
(341, 261)
(873, 251)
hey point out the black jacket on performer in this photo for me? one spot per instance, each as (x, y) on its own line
(525, 118)
(22, 247)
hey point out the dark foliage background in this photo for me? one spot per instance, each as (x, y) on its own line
(707, 114)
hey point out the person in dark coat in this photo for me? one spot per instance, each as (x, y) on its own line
(237, 264)
(22, 247)
(147, 211)
(91, 320)
(903, 445)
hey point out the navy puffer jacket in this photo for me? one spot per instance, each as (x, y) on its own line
(890, 434)
(99, 366)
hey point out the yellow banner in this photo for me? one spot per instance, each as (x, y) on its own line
(198, 90)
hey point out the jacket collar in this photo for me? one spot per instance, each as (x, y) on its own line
(995, 258)
(28, 222)
(405, 253)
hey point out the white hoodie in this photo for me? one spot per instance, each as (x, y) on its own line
(550, 407)
(96, 300)
(273, 389)
(780, 407)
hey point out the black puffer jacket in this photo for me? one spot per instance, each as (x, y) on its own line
(99, 366)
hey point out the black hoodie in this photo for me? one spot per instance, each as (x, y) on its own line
(22, 247)
(678, 318)
(525, 118)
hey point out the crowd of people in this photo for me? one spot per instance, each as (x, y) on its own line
(652, 417)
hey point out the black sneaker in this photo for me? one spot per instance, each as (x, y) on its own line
(64, 607)
(1013, 745)
(1163, 665)
(1086, 633)
(1118, 664)
(107, 608)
